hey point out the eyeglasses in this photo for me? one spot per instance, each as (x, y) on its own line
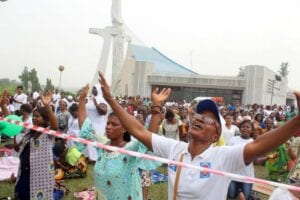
(207, 120)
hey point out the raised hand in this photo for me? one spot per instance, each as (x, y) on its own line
(82, 115)
(104, 87)
(191, 111)
(84, 92)
(3, 98)
(255, 124)
(297, 94)
(46, 99)
(158, 98)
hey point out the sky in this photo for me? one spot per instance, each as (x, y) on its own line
(213, 37)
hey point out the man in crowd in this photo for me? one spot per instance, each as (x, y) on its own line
(19, 98)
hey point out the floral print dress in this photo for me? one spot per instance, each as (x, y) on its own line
(116, 176)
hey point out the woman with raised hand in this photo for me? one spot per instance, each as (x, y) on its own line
(35, 178)
(116, 175)
(205, 129)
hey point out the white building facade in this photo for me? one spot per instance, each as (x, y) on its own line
(146, 68)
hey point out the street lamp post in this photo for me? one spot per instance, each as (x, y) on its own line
(61, 68)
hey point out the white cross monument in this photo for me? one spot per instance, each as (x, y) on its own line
(116, 35)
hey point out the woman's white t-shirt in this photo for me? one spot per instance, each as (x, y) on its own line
(238, 140)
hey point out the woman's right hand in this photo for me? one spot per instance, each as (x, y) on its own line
(81, 106)
(104, 87)
(255, 124)
(84, 92)
(3, 98)
(297, 95)
(46, 99)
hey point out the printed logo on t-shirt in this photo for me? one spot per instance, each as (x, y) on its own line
(172, 167)
(205, 174)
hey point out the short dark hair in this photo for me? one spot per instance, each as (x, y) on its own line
(257, 115)
(227, 114)
(58, 148)
(43, 112)
(170, 114)
(247, 122)
(73, 108)
(127, 137)
(26, 108)
(20, 87)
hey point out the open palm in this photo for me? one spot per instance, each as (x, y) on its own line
(46, 99)
(158, 98)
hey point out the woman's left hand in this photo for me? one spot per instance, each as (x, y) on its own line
(158, 98)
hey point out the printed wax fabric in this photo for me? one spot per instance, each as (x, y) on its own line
(116, 175)
(36, 154)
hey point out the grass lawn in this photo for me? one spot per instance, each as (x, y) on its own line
(157, 191)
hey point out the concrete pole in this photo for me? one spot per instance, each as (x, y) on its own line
(61, 68)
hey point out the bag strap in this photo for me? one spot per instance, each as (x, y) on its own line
(178, 172)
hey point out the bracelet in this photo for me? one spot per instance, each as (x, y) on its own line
(156, 106)
(154, 112)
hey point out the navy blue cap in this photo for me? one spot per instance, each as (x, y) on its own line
(209, 105)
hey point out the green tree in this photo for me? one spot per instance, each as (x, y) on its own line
(10, 86)
(49, 85)
(283, 71)
(24, 77)
(241, 72)
(35, 84)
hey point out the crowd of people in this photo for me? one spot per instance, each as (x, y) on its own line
(210, 134)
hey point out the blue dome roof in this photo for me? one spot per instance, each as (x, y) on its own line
(162, 64)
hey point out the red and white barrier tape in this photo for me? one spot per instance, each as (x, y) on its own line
(150, 157)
